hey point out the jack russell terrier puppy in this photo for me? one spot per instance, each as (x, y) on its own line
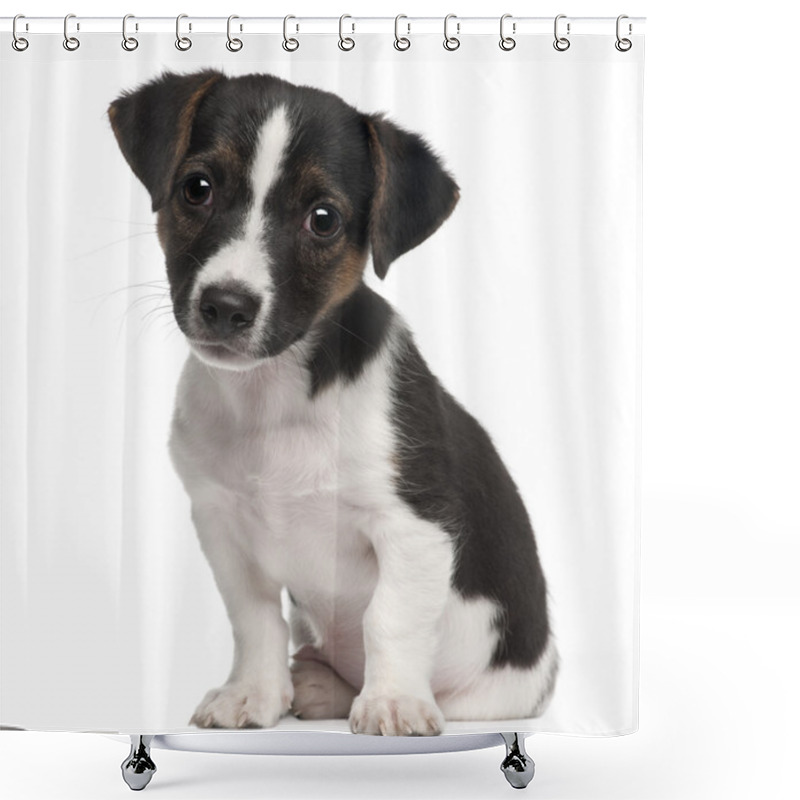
(320, 454)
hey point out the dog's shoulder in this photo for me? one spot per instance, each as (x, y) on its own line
(350, 338)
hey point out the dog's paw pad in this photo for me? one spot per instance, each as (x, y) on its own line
(238, 705)
(319, 692)
(383, 715)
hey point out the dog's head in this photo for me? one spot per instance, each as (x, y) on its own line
(270, 198)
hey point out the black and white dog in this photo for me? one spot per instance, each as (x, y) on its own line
(319, 452)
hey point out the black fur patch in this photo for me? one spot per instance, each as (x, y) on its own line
(349, 338)
(451, 474)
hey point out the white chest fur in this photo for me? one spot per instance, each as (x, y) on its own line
(299, 481)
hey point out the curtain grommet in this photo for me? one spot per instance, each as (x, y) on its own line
(561, 43)
(507, 43)
(183, 43)
(451, 43)
(401, 43)
(19, 43)
(71, 43)
(233, 44)
(289, 44)
(623, 44)
(129, 43)
(346, 43)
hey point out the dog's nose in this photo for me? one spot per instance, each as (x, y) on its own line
(226, 312)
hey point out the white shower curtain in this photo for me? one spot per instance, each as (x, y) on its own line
(525, 304)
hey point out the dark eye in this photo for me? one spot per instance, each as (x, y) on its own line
(323, 221)
(197, 190)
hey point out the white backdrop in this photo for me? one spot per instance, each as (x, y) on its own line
(719, 461)
(525, 304)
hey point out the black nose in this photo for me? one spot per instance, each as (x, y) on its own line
(226, 312)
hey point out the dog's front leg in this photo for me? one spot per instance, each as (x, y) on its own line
(259, 690)
(401, 630)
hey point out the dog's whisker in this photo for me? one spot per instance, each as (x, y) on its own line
(154, 284)
(146, 300)
(127, 222)
(101, 299)
(351, 333)
(115, 243)
(158, 310)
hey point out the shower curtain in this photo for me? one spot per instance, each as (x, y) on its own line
(525, 304)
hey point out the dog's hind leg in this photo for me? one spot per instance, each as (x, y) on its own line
(319, 691)
(505, 693)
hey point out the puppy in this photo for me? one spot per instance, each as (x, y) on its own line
(320, 454)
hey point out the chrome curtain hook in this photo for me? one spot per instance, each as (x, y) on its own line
(129, 43)
(451, 42)
(623, 45)
(71, 43)
(401, 42)
(345, 42)
(19, 43)
(506, 42)
(233, 44)
(182, 42)
(289, 44)
(561, 43)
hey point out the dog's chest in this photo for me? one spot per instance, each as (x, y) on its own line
(299, 478)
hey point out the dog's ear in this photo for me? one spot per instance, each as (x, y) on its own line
(413, 193)
(153, 124)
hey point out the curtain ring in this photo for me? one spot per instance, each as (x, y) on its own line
(182, 42)
(623, 45)
(19, 43)
(129, 43)
(401, 42)
(71, 43)
(561, 43)
(451, 42)
(345, 42)
(289, 45)
(506, 42)
(233, 44)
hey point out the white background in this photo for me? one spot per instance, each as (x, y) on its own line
(720, 536)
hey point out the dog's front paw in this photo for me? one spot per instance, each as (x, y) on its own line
(241, 705)
(383, 715)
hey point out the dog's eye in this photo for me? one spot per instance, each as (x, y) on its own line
(323, 221)
(197, 190)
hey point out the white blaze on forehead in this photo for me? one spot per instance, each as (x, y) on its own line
(244, 260)
(267, 160)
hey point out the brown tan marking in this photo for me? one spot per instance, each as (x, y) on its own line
(186, 120)
(349, 270)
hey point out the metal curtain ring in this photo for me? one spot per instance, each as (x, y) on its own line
(451, 42)
(289, 44)
(71, 43)
(19, 43)
(506, 42)
(623, 45)
(233, 44)
(345, 42)
(401, 42)
(561, 43)
(129, 43)
(182, 42)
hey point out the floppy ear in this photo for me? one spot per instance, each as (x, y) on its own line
(413, 193)
(153, 124)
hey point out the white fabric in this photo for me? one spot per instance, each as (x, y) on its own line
(525, 303)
